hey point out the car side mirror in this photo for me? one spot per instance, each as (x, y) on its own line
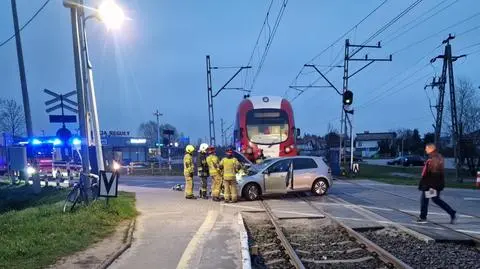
(266, 172)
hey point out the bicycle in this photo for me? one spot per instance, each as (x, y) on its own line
(80, 192)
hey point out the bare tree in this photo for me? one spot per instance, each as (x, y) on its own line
(12, 119)
(468, 108)
(149, 130)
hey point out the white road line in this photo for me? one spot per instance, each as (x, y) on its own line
(471, 199)
(348, 205)
(198, 239)
(468, 231)
(434, 213)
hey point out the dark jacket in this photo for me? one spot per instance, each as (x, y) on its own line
(433, 175)
(202, 165)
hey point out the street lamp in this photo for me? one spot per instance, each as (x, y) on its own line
(111, 14)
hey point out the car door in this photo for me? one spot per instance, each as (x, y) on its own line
(303, 173)
(275, 176)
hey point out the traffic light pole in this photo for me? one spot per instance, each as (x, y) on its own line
(158, 114)
(346, 106)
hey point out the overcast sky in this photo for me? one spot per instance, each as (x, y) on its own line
(157, 60)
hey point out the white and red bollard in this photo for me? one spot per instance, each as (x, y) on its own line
(478, 179)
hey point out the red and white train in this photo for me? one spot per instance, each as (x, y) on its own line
(265, 123)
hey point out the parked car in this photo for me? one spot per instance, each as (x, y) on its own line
(396, 161)
(413, 160)
(275, 177)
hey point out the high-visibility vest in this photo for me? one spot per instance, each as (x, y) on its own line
(187, 165)
(213, 165)
(230, 168)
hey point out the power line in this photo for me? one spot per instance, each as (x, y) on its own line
(258, 38)
(437, 33)
(26, 24)
(422, 21)
(415, 19)
(271, 36)
(294, 81)
(347, 32)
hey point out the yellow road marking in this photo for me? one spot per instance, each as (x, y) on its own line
(197, 239)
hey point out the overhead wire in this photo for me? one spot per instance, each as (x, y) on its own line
(338, 40)
(422, 21)
(273, 31)
(26, 24)
(381, 30)
(258, 37)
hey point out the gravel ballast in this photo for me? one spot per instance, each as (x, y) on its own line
(419, 254)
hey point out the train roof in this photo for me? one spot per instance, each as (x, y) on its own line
(259, 102)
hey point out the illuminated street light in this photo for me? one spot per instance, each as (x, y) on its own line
(111, 14)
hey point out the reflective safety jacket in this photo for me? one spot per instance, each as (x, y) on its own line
(230, 168)
(188, 165)
(213, 165)
(202, 166)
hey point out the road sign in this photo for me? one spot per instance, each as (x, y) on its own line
(65, 103)
(63, 118)
(108, 184)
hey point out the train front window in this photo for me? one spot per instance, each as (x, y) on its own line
(267, 126)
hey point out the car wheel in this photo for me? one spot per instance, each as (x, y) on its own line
(320, 187)
(251, 192)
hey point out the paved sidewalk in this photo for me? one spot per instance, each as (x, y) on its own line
(173, 232)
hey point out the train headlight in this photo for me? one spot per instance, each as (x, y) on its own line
(288, 149)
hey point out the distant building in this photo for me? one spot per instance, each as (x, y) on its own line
(368, 144)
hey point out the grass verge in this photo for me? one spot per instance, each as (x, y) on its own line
(399, 175)
(34, 232)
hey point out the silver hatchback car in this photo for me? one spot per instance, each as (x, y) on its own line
(283, 175)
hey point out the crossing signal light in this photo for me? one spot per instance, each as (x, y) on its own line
(347, 98)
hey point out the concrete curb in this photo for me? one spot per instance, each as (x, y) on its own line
(246, 262)
(127, 242)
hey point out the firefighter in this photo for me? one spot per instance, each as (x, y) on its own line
(230, 166)
(188, 170)
(214, 171)
(202, 169)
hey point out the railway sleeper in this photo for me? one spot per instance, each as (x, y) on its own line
(347, 251)
(358, 260)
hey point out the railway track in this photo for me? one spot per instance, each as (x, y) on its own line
(474, 240)
(312, 243)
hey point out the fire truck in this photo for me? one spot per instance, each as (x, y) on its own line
(51, 157)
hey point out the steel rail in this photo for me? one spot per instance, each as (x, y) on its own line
(294, 259)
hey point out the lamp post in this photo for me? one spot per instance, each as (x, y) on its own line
(112, 16)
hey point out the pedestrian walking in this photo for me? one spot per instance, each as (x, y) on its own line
(188, 171)
(202, 169)
(214, 170)
(230, 166)
(432, 183)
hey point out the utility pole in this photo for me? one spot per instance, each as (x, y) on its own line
(75, 9)
(223, 132)
(21, 67)
(346, 109)
(439, 106)
(448, 60)
(211, 95)
(158, 114)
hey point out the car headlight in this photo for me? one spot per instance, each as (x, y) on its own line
(30, 170)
